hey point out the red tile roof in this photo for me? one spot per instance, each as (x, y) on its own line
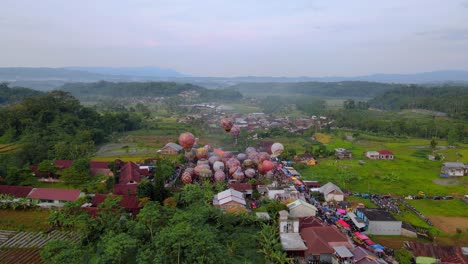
(321, 239)
(130, 172)
(63, 164)
(125, 189)
(54, 194)
(129, 202)
(15, 191)
(240, 187)
(385, 152)
(98, 164)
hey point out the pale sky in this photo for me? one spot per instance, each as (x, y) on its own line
(238, 38)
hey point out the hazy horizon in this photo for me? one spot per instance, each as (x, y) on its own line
(209, 38)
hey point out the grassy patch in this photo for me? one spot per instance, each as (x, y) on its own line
(24, 220)
(58, 185)
(440, 207)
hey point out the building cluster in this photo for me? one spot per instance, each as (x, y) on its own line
(454, 169)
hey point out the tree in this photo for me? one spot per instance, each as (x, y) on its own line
(270, 245)
(433, 144)
(145, 189)
(47, 167)
(78, 174)
(62, 251)
(193, 194)
(403, 256)
(117, 248)
(453, 136)
(154, 217)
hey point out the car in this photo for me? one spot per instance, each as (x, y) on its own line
(448, 197)
(437, 198)
(365, 195)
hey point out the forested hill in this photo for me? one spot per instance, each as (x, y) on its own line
(345, 89)
(450, 100)
(10, 95)
(143, 89)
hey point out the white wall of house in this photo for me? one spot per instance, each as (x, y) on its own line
(302, 211)
(384, 228)
(334, 197)
(289, 226)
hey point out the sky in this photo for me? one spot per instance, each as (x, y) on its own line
(238, 38)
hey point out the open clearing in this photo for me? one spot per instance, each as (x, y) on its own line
(24, 220)
(449, 224)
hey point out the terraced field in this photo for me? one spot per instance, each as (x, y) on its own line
(13, 239)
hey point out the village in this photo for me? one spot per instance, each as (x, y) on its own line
(319, 223)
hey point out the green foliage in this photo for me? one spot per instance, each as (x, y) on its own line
(447, 99)
(116, 248)
(273, 208)
(270, 246)
(194, 194)
(11, 95)
(62, 251)
(19, 176)
(403, 256)
(78, 174)
(145, 189)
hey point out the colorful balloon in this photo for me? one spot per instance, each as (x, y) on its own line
(238, 175)
(235, 131)
(250, 173)
(186, 177)
(218, 166)
(241, 157)
(268, 165)
(202, 153)
(186, 140)
(227, 124)
(277, 149)
(213, 159)
(219, 176)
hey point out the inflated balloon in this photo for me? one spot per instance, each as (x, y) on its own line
(213, 159)
(232, 162)
(206, 173)
(238, 175)
(235, 131)
(226, 155)
(269, 175)
(186, 140)
(250, 149)
(202, 153)
(241, 157)
(248, 163)
(198, 169)
(186, 177)
(262, 156)
(250, 173)
(189, 171)
(219, 176)
(268, 165)
(233, 169)
(277, 149)
(218, 166)
(227, 124)
(203, 162)
(190, 155)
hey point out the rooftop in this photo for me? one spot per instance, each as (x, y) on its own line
(15, 191)
(377, 214)
(54, 194)
(292, 242)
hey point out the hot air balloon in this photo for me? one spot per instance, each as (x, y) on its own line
(250, 149)
(202, 153)
(262, 156)
(186, 177)
(227, 124)
(219, 176)
(203, 162)
(238, 175)
(198, 169)
(248, 163)
(235, 131)
(206, 173)
(250, 173)
(213, 159)
(186, 140)
(226, 155)
(218, 166)
(190, 155)
(241, 157)
(277, 149)
(268, 165)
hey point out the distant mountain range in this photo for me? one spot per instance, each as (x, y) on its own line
(51, 78)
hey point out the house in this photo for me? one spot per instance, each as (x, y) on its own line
(229, 198)
(130, 174)
(453, 169)
(342, 255)
(125, 189)
(244, 188)
(331, 192)
(306, 158)
(362, 256)
(290, 238)
(320, 242)
(372, 155)
(342, 153)
(54, 197)
(171, 149)
(100, 168)
(63, 164)
(386, 155)
(300, 208)
(378, 221)
(15, 191)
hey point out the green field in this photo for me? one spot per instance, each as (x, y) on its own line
(441, 207)
(409, 173)
(24, 220)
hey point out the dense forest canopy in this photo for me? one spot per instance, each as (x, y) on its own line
(450, 100)
(14, 94)
(145, 89)
(64, 128)
(345, 89)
